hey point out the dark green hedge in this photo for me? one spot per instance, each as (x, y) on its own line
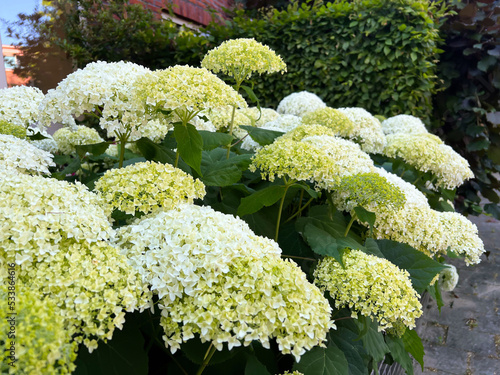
(376, 54)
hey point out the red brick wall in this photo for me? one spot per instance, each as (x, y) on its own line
(196, 11)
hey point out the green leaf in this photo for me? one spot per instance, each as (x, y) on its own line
(251, 94)
(262, 136)
(123, 355)
(481, 144)
(399, 353)
(155, 152)
(435, 292)
(365, 216)
(373, 340)
(265, 197)
(95, 149)
(72, 167)
(255, 367)
(189, 145)
(323, 361)
(36, 137)
(322, 242)
(413, 345)
(371, 247)
(219, 171)
(486, 63)
(493, 210)
(422, 268)
(353, 350)
(212, 140)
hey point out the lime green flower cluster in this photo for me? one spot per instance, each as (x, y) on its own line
(183, 88)
(239, 58)
(333, 119)
(370, 191)
(38, 213)
(19, 105)
(221, 119)
(24, 157)
(372, 287)
(147, 186)
(216, 278)
(67, 138)
(9, 128)
(92, 283)
(427, 153)
(41, 343)
(323, 160)
(368, 130)
(406, 124)
(302, 131)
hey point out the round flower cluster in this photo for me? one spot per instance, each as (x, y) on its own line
(216, 278)
(19, 105)
(448, 278)
(300, 103)
(427, 153)
(367, 131)
(221, 119)
(88, 89)
(370, 191)
(68, 138)
(9, 128)
(302, 131)
(183, 88)
(23, 156)
(333, 119)
(405, 124)
(412, 195)
(372, 287)
(259, 118)
(239, 58)
(285, 122)
(146, 186)
(38, 213)
(43, 345)
(93, 285)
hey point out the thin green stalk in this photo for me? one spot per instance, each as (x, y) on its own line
(231, 125)
(350, 224)
(279, 212)
(299, 211)
(122, 151)
(176, 158)
(208, 357)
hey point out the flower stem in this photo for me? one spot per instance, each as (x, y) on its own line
(176, 158)
(208, 357)
(280, 210)
(231, 125)
(300, 210)
(122, 151)
(350, 224)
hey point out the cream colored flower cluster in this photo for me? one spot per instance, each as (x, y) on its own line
(412, 195)
(97, 85)
(19, 105)
(183, 88)
(23, 156)
(368, 130)
(38, 213)
(216, 278)
(323, 160)
(372, 287)
(304, 130)
(92, 283)
(43, 345)
(405, 124)
(370, 191)
(68, 138)
(9, 128)
(221, 119)
(240, 58)
(147, 186)
(427, 153)
(259, 118)
(300, 103)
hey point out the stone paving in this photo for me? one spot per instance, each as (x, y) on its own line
(465, 338)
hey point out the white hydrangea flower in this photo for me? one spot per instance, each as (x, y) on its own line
(25, 157)
(68, 138)
(19, 105)
(216, 278)
(403, 124)
(259, 118)
(285, 123)
(300, 103)
(448, 278)
(367, 131)
(427, 153)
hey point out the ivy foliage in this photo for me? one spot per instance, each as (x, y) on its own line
(375, 54)
(467, 111)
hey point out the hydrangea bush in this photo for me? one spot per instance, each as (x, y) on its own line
(188, 229)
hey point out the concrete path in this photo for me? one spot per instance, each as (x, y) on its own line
(465, 338)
